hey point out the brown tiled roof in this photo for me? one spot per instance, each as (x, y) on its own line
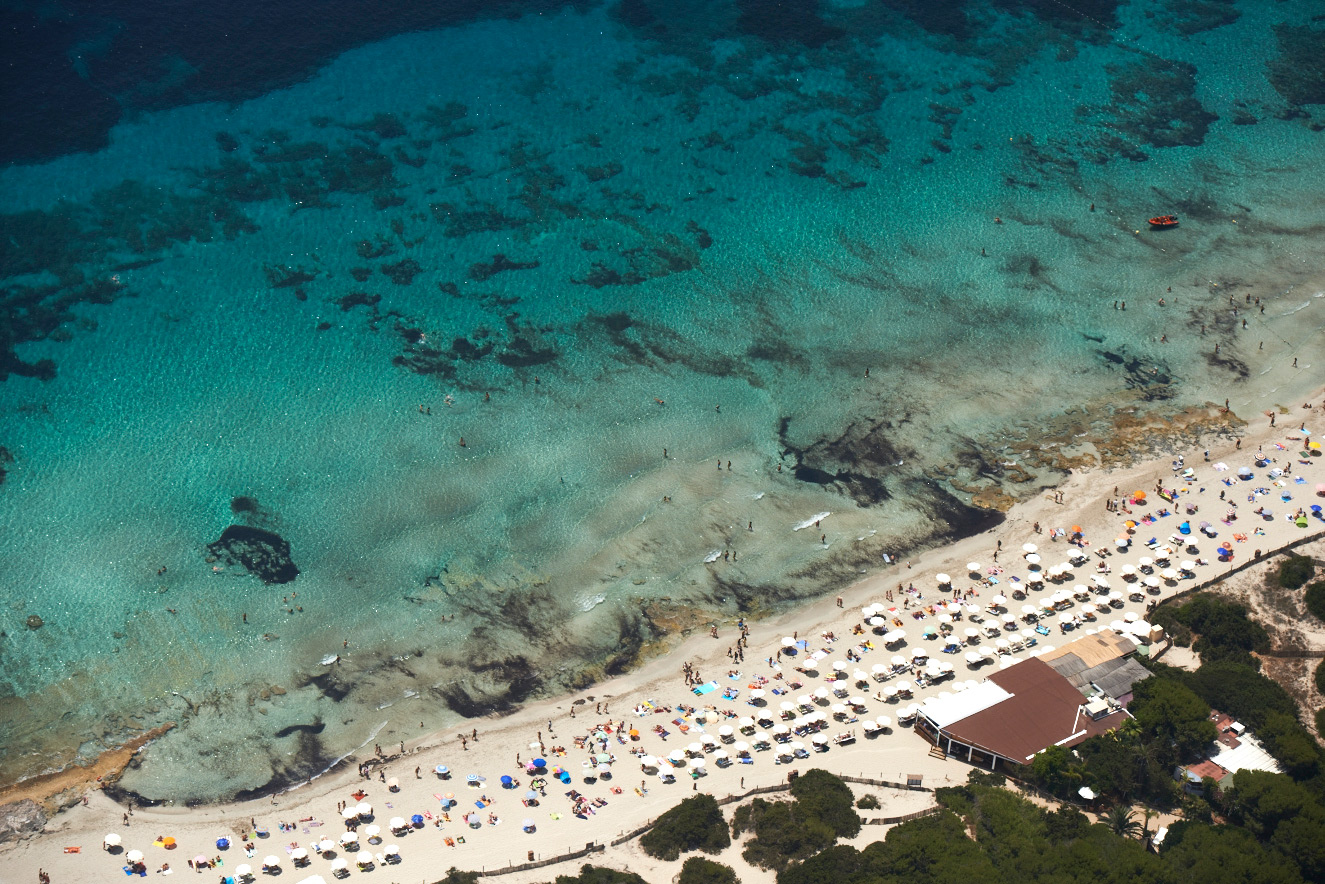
(1044, 710)
(1207, 768)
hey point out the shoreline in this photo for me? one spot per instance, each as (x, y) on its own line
(888, 758)
(1127, 449)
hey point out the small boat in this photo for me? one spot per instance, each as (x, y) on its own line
(1163, 222)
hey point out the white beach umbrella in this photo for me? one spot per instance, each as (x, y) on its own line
(1064, 618)
(1128, 569)
(788, 642)
(721, 755)
(111, 840)
(1169, 574)
(1035, 578)
(819, 740)
(740, 747)
(350, 813)
(271, 862)
(877, 621)
(648, 761)
(971, 632)
(698, 763)
(805, 700)
(943, 579)
(898, 660)
(1029, 547)
(883, 721)
(299, 853)
(391, 850)
(338, 864)
(986, 651)
(1131, 617)
(676, 756)
(727, 730)
(785, 706)
(709, 741)
(1009, 618)
(1032, 559)
(1152, 581)
(1028, 634)
(348, 838)
(972, 657)
(243, 870)
(696, 748)
(839, 665)
(364, 858)
(890, 691)
(326, 844)
(1187, 565)
(365, 809)
(1029, 610)
(134, 856)
(903, 686)
(999, 600)
(973, 567)
(372, 831)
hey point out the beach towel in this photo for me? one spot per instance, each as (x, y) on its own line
(706, 688)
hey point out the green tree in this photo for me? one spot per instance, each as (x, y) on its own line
(1320, 676)
(930, 850)
(1122, 821)
(1174, 716)
(455, 876)
(694, 824)
(782, 833)
(1224, 854)
(599, 875)
(698, 870)
(1291, 745)
(1295, 571)
(825, 797)
(1242, 692)
(1315, 599)
(1053, 768)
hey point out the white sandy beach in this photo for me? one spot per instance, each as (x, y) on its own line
(427, 852)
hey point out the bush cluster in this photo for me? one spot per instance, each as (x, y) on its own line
(694, 824)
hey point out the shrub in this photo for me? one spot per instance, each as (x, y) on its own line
(599, 875)
(824, 797)
(1320, 721)
(1295, 571)
(1315, 599)
(694, 824)
(698, 870)
(783, 833)
(1320, 677)
(868, 802)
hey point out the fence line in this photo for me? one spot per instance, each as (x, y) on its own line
(577, 854)
(885, 784)
(893, 820)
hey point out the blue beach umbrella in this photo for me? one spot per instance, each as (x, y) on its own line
(442, 769)
(472, 778)
(222, 843)
(540, 762)
(531, 795)
(417, 819)
(506, 782)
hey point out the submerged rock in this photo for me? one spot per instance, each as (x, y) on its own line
(264, 554)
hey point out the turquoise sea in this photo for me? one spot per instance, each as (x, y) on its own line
(429, 304)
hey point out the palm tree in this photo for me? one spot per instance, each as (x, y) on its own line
(1122, 820)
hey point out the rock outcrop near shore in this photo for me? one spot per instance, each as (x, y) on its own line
(264, 554)
(20, 820)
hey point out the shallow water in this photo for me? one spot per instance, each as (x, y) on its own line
(580, 237)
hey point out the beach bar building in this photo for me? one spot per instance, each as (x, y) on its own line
(1032, 705)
